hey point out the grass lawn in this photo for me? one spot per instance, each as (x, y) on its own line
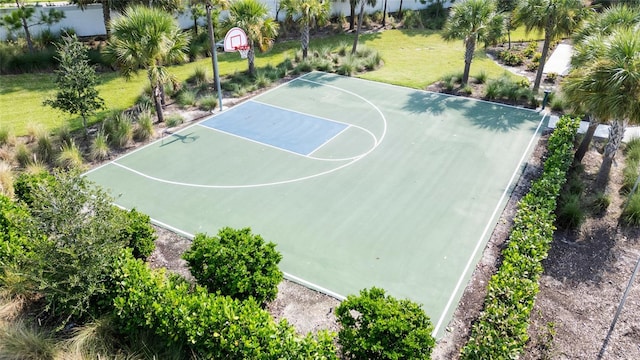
(412, 58)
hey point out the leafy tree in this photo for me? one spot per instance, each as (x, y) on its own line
(70, 267)
(76, 80)
(608, 87)
(360, 17)
(587, 39)
(22, 17)
(472, 21)
(253, 17)
(308, 13)
(150, 39)
(554, 17)
(236, 263)
(378, 326)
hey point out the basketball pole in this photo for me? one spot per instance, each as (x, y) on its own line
(214, 55)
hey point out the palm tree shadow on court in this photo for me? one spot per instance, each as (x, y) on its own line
(420, 102)
(488, 116)
(185, 139)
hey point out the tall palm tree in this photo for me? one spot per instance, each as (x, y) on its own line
(472, 21)
(150, 39)
(609, 88)
(587, 39)
(308, 13)
(554, 17)
(360, 17)
(253, 17)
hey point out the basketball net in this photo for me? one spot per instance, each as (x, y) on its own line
(243, 50)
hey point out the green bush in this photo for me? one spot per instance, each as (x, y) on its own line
(631, 213)
(186, 98)
(70, 157)
(505, 88)
(44, 148)
(118, 129)
(135, 232)
(384, 327)
(99, 149)
(143, 130)
(600, 202)
(236, 263)
(174, 120)
(501, 330)
(511, 57)
(208, 102)
(531, 49)
(212, 327)
(570, 212)
(7, 136)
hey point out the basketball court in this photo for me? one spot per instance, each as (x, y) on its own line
(358, 183)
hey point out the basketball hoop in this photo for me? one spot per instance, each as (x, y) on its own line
(243, 50)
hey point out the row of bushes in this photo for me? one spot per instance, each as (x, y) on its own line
(501, 330)
(631, 212)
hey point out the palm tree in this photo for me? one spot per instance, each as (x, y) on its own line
(360, 17)
(253, 17)
(609, 88)
(308, 13)
(555, 17)
(588, 39)
(472, 21)
(150, 39)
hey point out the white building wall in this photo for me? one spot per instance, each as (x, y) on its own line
(89, 22)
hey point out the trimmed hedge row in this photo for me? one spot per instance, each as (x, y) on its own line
(501, 330)
(212, 326)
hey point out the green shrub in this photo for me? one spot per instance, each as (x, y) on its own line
(174, 120)
(118, 129)
(27, 341)
(557, 103)
(44, 148)
(631, 212)
(531, 49)
(186, 98)
(7, 136)
(481, 78)
(570, 212)
(384, 327)
(505, 88)
(199, 76)
(208, 102)
(236, 263)
(23, 154)
(412, 19)
(99, 149)
(136, 232)
(6, 179)
(600, 202)
(261, 79)
(143, 130)
(212, 327)
(70, 157)
(511, 57)
(64, 135)
(501, 330)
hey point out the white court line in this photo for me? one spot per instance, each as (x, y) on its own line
(486, 229)
(287, 276)
(326, 142)
(426, 91)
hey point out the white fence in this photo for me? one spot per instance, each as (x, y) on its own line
(90, 22)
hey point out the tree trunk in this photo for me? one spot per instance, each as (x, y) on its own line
(616, 133)
(156, 101)
(468, 57)
(586, 140)
(251, 60)
(106, 16)
(161, 94)
(25, 26)
(305, 40)
(352, 14)
(355, 39)
(384, 14)
(543, 59)
(400, 11)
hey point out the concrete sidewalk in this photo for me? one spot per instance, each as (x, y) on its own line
(560, 60)
(602, 131)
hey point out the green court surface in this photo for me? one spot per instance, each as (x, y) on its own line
(404, 196)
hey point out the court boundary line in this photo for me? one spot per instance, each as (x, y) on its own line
(326, 142)
(518, 170)
(290, 277)
(427, 91)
